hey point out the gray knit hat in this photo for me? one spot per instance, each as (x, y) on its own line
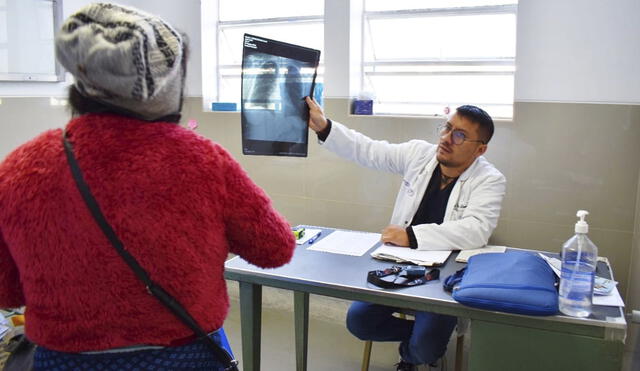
(125, 58)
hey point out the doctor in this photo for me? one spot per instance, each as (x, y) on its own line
(450, 198)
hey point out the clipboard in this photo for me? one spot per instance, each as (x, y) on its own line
(426, 258)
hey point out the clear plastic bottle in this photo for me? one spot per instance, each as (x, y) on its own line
(579, 259)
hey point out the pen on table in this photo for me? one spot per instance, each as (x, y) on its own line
(312, 239)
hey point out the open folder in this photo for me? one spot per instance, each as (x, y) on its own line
(406, 255)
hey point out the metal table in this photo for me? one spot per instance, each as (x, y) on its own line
(499, 341)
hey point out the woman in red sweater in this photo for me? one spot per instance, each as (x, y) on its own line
(178, 202)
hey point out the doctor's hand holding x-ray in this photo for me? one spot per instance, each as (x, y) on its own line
(317, 121)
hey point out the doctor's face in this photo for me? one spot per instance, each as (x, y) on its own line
(460, 143)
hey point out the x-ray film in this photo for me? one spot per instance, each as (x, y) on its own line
(276, 77)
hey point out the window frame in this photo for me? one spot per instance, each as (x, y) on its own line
(222, 25)
(58, 73)
(368, 68)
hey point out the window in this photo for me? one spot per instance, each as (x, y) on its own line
(420, 60)
(292, 21)
(27, 31)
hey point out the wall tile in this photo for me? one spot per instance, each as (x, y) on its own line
(295, 209)
(557, 158)
(349, 216)
(575, 156)
(21, 119)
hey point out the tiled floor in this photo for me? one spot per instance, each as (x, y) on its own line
(331, 347)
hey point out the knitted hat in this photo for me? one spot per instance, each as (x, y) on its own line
(125, 58)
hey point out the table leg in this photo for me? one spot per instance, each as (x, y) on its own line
(250, 323)
(301, 313)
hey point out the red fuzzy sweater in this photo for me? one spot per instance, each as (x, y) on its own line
(178, 202)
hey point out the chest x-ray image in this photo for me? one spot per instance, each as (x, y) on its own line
(276, 77)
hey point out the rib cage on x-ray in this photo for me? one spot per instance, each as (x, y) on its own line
(274, 103)
(276, 77)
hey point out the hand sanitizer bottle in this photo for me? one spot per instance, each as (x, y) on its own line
(579, 259)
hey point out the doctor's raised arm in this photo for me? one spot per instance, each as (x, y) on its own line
(450, 197)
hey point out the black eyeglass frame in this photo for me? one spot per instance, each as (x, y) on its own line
(445, 129)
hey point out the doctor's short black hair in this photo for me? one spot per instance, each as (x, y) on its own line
(480, 117)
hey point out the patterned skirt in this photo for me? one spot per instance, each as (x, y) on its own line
(193, 356)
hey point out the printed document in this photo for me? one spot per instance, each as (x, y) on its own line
(406, 255)
(346, 242)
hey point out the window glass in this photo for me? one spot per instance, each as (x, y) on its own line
(237, 17)
(381, 5)
(306, 34)
(3, 26)
(4, 61)
(418, 59)
(237, 10)
(446, 89)
(45, 21)
(431, 109)
(448, 37)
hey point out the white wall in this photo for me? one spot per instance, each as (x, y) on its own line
(343, 55)
(568, 51)
(183, 14)
(584, 51)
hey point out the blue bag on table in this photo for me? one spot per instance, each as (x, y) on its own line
(513, 282)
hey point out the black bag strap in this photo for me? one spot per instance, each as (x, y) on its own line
(453, 280)
(375, 278)
(153, 288)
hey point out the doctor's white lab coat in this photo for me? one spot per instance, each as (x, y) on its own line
(474, 205)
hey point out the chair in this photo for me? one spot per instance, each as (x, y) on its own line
(461, 329)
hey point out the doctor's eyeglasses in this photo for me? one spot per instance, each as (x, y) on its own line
(457, 136)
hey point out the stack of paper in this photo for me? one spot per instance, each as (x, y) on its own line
(4, 328)
(407, 255)
(464, 255)
(346, 242)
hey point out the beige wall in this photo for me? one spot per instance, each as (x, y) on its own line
(633, 293)
(557, 158)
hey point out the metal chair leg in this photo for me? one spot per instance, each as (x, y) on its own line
(459, 352)
(366, 356)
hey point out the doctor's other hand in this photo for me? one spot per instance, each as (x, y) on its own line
(396, 235)
(317, 121)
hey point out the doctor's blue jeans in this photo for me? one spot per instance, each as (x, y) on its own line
(422, 341)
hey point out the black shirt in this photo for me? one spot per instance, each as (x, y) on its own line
(433, 205)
